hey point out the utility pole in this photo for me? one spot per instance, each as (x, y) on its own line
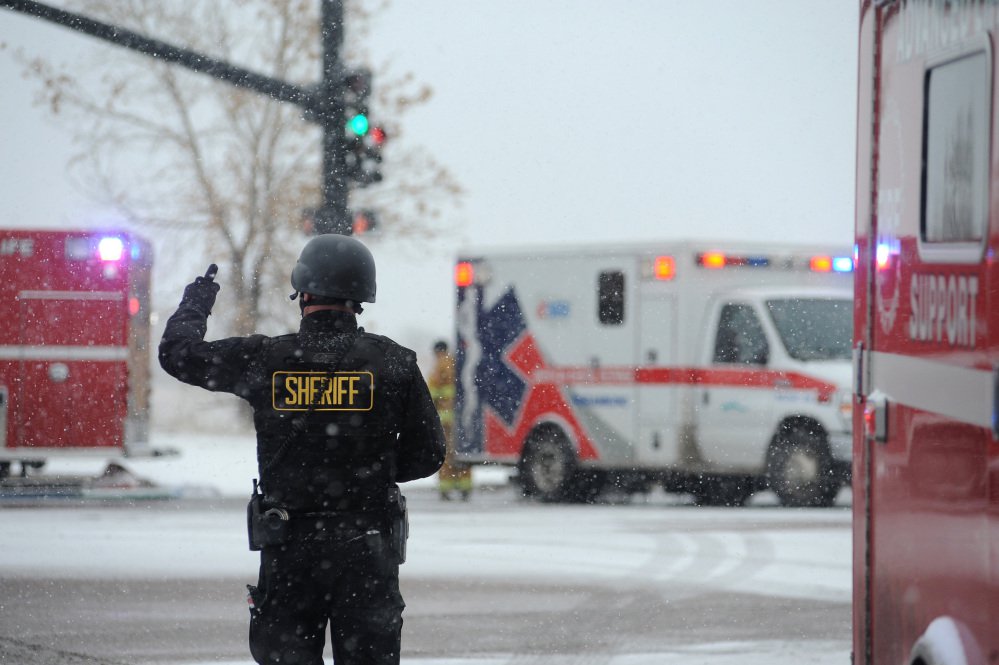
(322, 103)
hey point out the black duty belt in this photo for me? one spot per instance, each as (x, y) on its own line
(332, 520)
(336, 513)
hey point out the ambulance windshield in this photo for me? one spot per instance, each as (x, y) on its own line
(814, 328)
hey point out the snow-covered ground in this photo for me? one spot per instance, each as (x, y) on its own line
(639, 546)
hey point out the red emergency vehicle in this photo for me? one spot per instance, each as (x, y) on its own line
(926, 453)
(74, 345)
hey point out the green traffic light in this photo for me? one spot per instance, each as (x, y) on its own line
(358, 124)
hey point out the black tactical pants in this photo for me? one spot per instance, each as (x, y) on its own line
(347, 577)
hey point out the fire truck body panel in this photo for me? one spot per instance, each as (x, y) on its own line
(620, 352)
(926, 474)
(74, 352)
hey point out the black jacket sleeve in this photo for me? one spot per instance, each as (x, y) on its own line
(421, 441)
(222, 366)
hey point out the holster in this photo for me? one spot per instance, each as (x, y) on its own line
(265, 526)
(398, 523)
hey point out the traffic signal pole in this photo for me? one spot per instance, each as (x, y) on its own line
(333, 216)
(321, 103)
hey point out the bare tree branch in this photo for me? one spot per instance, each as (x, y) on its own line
(222, 163)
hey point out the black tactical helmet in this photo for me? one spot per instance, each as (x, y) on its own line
(335, 266)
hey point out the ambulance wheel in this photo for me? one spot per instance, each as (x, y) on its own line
(800, 469)
(548, 466)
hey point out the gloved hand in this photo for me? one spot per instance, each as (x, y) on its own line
(202, 291)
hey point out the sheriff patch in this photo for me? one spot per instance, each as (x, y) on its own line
(322, 391)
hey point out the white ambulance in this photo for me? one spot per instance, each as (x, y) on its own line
(711, 369)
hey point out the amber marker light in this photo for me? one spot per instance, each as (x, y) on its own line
(464, 274)
(664, 267)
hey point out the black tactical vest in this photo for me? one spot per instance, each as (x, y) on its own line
(326, 434)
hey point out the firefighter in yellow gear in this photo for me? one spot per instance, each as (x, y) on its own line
(454, 476)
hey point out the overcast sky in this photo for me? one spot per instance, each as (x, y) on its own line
(638, 119)
(586, 120)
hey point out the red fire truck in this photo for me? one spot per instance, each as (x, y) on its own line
(74, 345)
(926, 347)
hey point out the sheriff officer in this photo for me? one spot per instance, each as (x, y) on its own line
(341, 415)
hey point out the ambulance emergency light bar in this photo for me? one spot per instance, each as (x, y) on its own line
(663, 268)
(717, 260)
(818, 263)
(831, 264)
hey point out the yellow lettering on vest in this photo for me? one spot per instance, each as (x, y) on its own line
(303, 391)
(339, 390)
(353, 389)
(304, 398)
(290, 385)
(318, 387)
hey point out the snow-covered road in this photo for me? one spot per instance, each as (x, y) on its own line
(523, 557)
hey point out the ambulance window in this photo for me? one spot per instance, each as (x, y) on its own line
(610, 297)
(740, 337)
(956, 151)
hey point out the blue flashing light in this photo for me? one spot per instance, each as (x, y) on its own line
(842, 264)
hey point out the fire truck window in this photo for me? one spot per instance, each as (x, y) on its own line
(610, 298)
(956, 151)
(741, 339)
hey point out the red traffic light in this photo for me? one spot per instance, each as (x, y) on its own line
(377, 135)
(365, 221)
